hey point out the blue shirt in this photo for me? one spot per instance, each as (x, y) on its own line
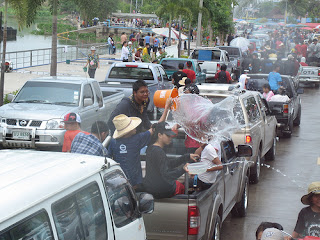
(147, 38)
(156, 42)
(274, 78)
(126, 151)
(88, 144)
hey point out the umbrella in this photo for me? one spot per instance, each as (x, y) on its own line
(301, 25)
(243, 22)
(307, 28)
(240, 42)
(165, 33)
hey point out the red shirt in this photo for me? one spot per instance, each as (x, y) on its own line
(190, 74)
(303, 64)
(228, 76)
(304, 48)
(298, 48)
(191, 143)
(68, 138)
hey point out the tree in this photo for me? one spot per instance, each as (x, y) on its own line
(54, 43)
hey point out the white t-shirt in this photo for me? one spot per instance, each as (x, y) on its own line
(124, 53)
(242, 81)
(210, 152)
(279, 98)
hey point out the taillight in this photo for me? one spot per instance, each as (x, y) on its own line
(248, 139)
(318, 72)
(285, 108)
(193, 220)
(133, 66)
(218, 66)
(238, 63)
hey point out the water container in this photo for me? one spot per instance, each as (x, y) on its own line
(67, 61)
(160, 97)
(197, 168)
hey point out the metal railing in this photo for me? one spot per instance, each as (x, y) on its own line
(38, 57)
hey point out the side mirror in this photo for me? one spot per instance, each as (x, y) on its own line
(146, 202)
(10, 97)
(87, 102)
(204, 71)
(300, 91)
(244, 151)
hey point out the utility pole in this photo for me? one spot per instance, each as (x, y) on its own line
(131, 6)
(286, 13)
(199, 35)
(3, 62)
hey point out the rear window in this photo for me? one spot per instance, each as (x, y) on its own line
(231, 51)
(133, 73)
(172, 64)
(206, 55)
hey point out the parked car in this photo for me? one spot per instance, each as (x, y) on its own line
(34, 118)
(309, 75)
(211, 59)
(287, 113)
(236, 57)
(171, 65)
(52, 195)
(121, 76)
(199, 214)
(259, 126)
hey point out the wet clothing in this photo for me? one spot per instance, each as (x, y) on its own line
(308, 223)
(223, 77)
(268, 95)
(128, 106)
(126, 151)
(162, 173)
(68, 138)
(191, 143)
(274, 78)
(88, 144)
(177, 76)
(190, 74)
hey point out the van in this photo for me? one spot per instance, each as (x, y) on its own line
(54, 195)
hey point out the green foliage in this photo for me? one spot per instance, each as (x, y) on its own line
(5, 99)
(124, 7)
(146, 58)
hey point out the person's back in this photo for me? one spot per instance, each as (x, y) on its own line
(190, 73)
(178, 75)
(222, 77)
(274, 78)
(267, 65)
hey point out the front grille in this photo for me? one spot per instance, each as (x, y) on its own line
(12, 121)
(35, 123)
(23, 123)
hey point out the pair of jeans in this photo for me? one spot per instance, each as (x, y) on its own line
(91, 72)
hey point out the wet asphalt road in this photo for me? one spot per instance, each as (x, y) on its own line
(276, 198)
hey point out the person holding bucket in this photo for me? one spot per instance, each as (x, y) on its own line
(136, 106)
(93, 62)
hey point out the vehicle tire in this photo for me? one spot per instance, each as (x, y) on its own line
(255, 175)
(297, 121)
(289, 133)
(217, 228)
(240, 208)
(316, 85)
(271, 154)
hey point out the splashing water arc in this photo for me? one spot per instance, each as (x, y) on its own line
(203, 121)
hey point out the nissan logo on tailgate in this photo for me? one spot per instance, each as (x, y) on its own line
(23, 123)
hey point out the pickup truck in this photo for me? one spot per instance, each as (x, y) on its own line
(236, 58)
(211, 59)
(121, 76)
(309, 75)
(199, 214)
(287, 113)
(171, 65)
(258, 125)
(34, 118)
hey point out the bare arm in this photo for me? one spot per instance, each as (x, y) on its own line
(166, 110)
(216, 168)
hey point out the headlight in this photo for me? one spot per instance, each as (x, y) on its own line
(55, 124)
(2, 121)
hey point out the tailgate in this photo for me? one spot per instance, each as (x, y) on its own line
(169, 219)
(211, 67)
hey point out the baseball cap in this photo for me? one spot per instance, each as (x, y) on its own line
(272, 234)
(129, 42)
(72, 117)
(164, 128)
(93, 48)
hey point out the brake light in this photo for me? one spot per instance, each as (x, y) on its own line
(285, 108)
(238, 63)
(318, 72)
(248, 139)
(218, 66)
(133, 66)
(193, 220)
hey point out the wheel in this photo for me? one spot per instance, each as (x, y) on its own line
(217, 228)
(289, 132)
(255, 176)
(240, 208)
(317, 85)
(271, 154)
(297, 121)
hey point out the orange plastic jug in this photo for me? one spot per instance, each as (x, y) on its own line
(160, 97)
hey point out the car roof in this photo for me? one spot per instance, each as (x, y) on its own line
(62, 79)
(28, 177)
(138, 64)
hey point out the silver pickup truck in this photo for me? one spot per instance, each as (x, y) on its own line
(199, 214)
(309, 75)
(34, 118)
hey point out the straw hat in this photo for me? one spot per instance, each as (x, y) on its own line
(314, 188)
(124, 125)
(183, 81)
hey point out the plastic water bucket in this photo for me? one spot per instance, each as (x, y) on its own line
(67, 61)
(197, 168)
(160, 97)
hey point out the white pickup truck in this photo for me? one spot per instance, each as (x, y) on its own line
(309, 75)
(34, 118)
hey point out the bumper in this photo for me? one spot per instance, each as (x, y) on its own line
(310, 80)
(37, 138)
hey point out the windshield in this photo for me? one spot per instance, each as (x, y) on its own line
(133, 73)
(233, 52)
(206, 55)
(172, 64)
(49, 93)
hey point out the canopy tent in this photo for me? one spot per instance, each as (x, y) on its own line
(307, 28)
(165, 33)
(134, 15)
(311, 25)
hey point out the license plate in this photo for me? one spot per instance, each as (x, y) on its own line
(21, 135)
(308, 72)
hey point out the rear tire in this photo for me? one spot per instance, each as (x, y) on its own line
(297, 121)
(217, 229)
(289, 133)
(271, 154)
(255, 176)
(317, 85)
(240, 209)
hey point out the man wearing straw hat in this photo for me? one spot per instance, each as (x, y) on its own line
(308, 223)
(126, 145)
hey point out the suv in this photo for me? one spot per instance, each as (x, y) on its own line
(236, 58)
(259, 127)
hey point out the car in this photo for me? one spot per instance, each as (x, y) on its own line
(236, 57)
(309, 75)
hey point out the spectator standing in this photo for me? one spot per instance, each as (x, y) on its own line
(151, 43)
(156, 44)
(304, 48)
(132, 36)
(146, 50)
(256, 64)
(190, 73)
(123, 38)
(130, 49)
(72, 126)
(91, 144)
(110, 44)
(147, 39)
(124, 52)
(138, 55)
(93, 62)
(223, 76)
(230, 38)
